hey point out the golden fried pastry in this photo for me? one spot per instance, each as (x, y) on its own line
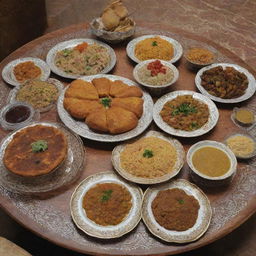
(82, 90)
(133, 104)
(35, 151)
(120, 120)
(119, 9)
(97, 120)
(110, 19)
(112, 107)
(122, 90)
(102, 86)
(81, 108)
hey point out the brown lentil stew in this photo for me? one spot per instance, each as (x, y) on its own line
(173, 209)
(185, 113)
(107, 204)
(225, 83)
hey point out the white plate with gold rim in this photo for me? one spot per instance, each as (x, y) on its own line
(90, 227)
(141, 180)
(202, 222)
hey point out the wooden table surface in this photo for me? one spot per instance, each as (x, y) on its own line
(229, 24)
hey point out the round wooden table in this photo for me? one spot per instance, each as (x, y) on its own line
(49, 215)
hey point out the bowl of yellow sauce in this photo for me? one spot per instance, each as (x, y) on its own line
(211, 163)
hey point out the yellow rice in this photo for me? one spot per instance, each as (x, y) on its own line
(162, 162)
(154, 48)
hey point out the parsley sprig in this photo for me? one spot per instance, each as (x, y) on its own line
(106, 195)
(184, 108)
(106, 102)
(148, 153)
(39, 146)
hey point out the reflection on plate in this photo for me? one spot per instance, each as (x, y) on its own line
(9, 77)
(212, 121)
(112, 231)
(141, 180)
(201, 225)
(50, 58)
(248, 93)
(176, 45)
(63, 175)
(83, 130)
(12, 95)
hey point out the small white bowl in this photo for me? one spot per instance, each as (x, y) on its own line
(206, 180)
(156, 89)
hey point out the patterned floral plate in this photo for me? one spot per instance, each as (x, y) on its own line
(112, 231)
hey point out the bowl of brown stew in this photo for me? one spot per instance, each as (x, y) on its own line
(211, 163)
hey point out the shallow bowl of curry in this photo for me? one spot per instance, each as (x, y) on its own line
(211, 163)
(93, 220)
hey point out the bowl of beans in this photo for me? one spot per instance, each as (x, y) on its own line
(156, 75)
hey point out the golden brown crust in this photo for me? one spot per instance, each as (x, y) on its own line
(98, 121)
(81, 108)
(120, 120)
(102, 86)
(120, 115)
(20, 159)
(133, 104)
(82, 90)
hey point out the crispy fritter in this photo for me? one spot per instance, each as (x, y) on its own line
(102, 86)
(81, 108)
(122, 90)
(133, 104)
(20, 159)
(97, 120)
(82, 90)
(120, 120)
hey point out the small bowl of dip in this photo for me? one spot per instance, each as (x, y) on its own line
(243, 117)
(243, 145)
(156, 75)
(211, 163)
(16, 115)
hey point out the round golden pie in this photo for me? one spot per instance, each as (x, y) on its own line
(35, 150)
(106, 106)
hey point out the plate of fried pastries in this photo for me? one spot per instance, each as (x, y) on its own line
(47, 157)
(105, 108)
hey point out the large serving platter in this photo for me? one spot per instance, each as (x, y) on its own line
(178, 50)
(189, 235)
(212, 121)
(8, 74)
(112, 231)
(50, 58)
(50, 218)
(81, 128)
(248, 93)
(67, 172)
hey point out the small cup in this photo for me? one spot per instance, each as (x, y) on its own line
(32, 116)
(241, 123)
(156, 90)
(209, 181)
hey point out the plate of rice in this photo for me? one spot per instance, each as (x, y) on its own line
(154, 47)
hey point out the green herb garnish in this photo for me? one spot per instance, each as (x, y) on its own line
(39, 146)
(148, 153)
(66, 52)
(184, 108)
(154, 43)
(181, 201)
(105, 102)
(194, 125)
(106, 195)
